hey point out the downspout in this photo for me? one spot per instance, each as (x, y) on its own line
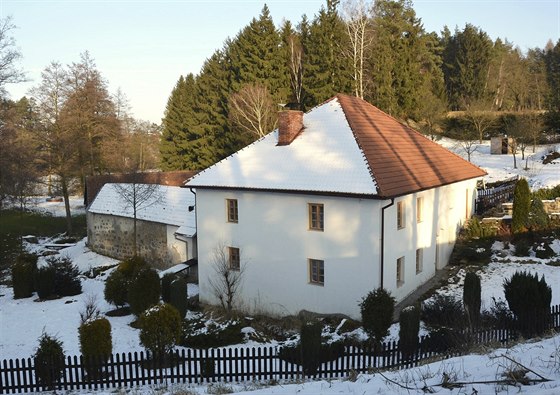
(382, 254)
(195, 211)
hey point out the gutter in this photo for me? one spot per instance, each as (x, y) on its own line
(382, 254)
(191, 208)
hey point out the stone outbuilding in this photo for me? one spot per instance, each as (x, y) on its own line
(166, 225)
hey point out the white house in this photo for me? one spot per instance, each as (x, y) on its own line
(332, 205)
(166, 227)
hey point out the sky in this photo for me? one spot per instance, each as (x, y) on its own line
(143, 46)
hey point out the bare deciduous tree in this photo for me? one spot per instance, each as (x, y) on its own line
(296, 67)
(9, 55)
(227, 280)
(356, 16)
(467, 142)
(138, 196)
(252, 109)
(481, 121)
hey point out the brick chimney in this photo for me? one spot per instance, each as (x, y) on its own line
(290, 123)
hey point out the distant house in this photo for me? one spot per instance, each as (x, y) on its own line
(335, 203)
(166, 228)
(501, 145)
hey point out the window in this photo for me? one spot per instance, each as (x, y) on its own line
(232, 212)
(419, 209)
(400, 215)
(316, 271)
(234, 259)
(316, 216)
(419, 260)
(400, 271)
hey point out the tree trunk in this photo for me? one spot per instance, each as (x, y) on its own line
(65, 195)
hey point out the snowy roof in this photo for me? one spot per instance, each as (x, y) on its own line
(169, 205)
(347, 146)
(323, 158)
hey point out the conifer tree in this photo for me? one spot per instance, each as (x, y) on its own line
(328, 72)
(521, 204)
(183, 143)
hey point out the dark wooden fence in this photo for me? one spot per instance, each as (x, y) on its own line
(128, 370)
(488, 198)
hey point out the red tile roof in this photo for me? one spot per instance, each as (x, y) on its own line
(400, 159)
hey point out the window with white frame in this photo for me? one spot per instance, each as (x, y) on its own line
(400, 271)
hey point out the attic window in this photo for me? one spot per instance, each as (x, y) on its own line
(316, 216)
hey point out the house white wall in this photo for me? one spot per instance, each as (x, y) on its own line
(275, 244)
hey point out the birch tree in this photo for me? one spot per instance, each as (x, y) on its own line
(252, 110)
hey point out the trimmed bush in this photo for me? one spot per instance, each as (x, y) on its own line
(477, 230)
(160, 328)
(116, 289)
(67, 276)
(44, 282)
(310, 342)
(23, 271)
(178, 297)
(529, 300)
(95, 343)
(377, 310)
(521, 205)
(443, 311)
(49, 361)
(213, 336)
(538, 218)
(131, 266)
(166, 286)
(144, 291)
(472, 298)
(409, 327)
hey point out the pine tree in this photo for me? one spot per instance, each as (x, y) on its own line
(552, 62)
(327, 71)
(521, 204)
(183, 143)
(466, 60)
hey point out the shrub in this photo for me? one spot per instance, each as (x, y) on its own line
(543, 251)
(310, 342)
(166, 286)
(178, 296)
(377, 310)
(446, 339)
(67, 276)
(522, 246)
(131, 266)
(23, 271)
(160, 328)
(499, 316)
(49, 361)
(95, 343)
(529, 300)
(44, 282)
(538, 218)
(144, 291)
(409, 327)
(472, 297)
(477, 230)
(116, 288)
(213, 336)
(521, 204)
(443, 311)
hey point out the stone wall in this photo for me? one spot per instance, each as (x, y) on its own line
(114, 236)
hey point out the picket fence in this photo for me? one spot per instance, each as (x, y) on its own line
(237, 364)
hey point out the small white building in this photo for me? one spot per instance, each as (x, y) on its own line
(166, 225)
(333, 204)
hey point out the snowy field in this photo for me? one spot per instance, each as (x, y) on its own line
(23, 321)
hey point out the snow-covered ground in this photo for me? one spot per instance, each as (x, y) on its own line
(22, 321)
(500, 167)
